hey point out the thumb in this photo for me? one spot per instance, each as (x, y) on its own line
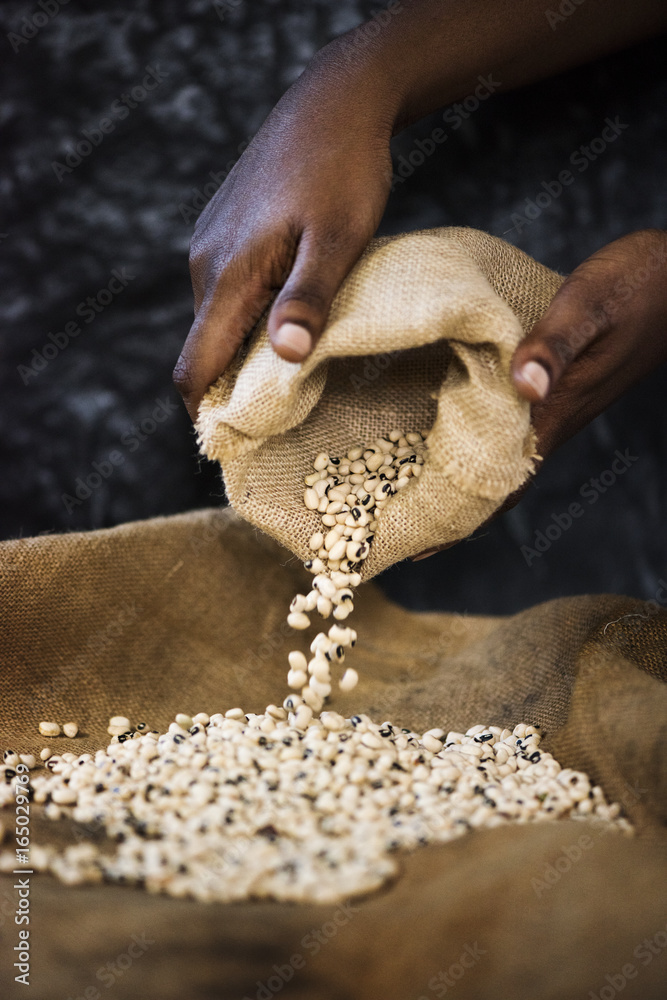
(300, 311)
(575, 318)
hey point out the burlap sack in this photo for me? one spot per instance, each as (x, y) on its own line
(188, 613)
(420, 336)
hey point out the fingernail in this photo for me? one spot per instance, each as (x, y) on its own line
(425, 555)
(536, 376)
(294, 338)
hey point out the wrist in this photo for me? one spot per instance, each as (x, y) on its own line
(353, 73)
(374, 64)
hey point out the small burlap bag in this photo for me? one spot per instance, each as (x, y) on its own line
(420, 336)
(188, 613)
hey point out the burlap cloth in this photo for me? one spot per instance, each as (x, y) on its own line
(420, 336)
(187, 613)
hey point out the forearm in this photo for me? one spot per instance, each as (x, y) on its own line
(430, 53)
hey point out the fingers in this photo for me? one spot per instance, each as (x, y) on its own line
(300, 311)
(235, 302)
(224, 318)
(575, 318)
(603, 332)
(600, 295)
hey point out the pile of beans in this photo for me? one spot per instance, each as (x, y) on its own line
(289, 804)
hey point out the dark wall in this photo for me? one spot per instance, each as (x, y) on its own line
(70, 399)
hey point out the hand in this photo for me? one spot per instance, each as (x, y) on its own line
(605, 329)
(301, 204)
(293, 216)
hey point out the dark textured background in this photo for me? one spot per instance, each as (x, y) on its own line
(119, 208)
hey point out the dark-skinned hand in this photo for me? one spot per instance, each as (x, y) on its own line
(300, 205)
(605, 329)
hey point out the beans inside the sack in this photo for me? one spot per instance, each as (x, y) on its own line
(291, 804)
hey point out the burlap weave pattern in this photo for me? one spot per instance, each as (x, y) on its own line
(187, 613)
(420, 336)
